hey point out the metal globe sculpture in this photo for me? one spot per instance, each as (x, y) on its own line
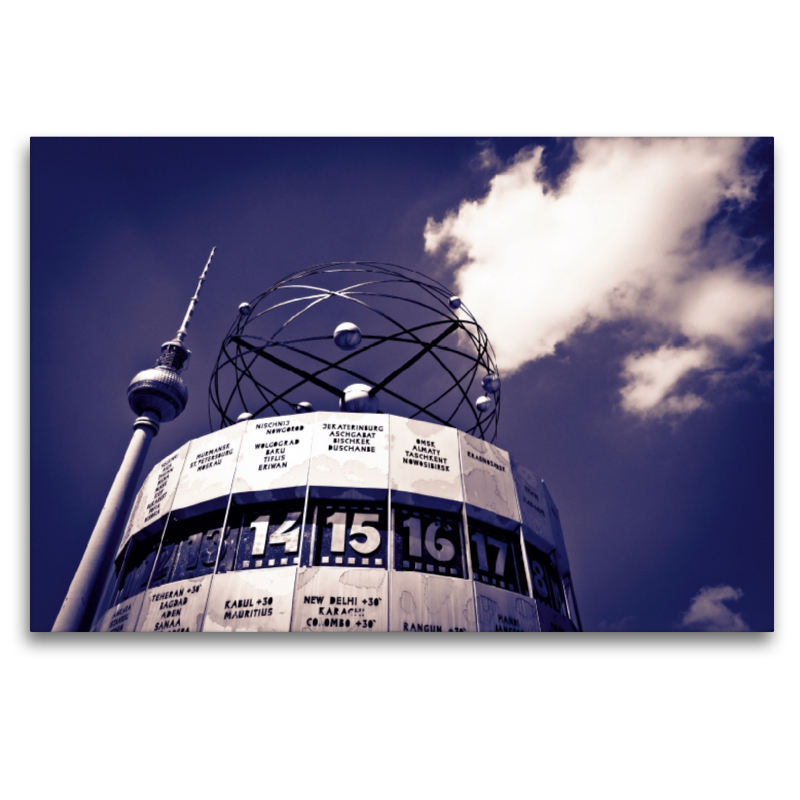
(408, 347)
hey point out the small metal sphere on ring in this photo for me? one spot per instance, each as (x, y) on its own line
(491, 383)
(304, 408)
(357, 398)
(347, 336)
(484, 404)
(244, 309)
(454, 302)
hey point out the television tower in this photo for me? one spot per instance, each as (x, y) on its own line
(156, 395)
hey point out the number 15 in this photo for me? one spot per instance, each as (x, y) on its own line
(372, 540)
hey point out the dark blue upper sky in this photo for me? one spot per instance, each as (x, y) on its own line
(653, 510)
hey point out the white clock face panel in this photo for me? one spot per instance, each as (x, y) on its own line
(329, 522)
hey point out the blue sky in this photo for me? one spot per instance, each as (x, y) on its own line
(625, 285)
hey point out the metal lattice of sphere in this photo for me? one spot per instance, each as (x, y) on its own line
(363, 334)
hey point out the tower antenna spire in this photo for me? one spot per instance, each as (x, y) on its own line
(174, 354)
(181, 335)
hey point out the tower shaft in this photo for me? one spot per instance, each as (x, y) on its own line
(83, 594)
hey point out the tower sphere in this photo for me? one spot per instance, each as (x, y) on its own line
(454, 302)
(357, 398)
(160, 390)
(244, 309)
(347, 336)
(304, 408)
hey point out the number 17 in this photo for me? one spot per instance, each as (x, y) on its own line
(483, 561)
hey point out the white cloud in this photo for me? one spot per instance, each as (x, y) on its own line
(708, 611)
(487, 158)
(727, 305)
(623, 237)
(653, 376)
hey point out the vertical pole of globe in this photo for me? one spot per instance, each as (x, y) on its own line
(157, 395)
